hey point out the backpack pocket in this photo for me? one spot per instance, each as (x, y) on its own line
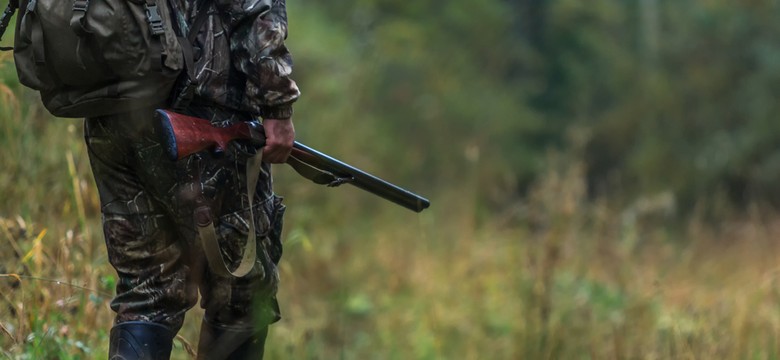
(125, 54)
(29, 50)
(134, 38)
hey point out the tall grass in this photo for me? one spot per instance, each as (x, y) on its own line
(557, 276)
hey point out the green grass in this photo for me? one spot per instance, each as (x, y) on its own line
(558, 276)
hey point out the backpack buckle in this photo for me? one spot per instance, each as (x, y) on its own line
(80, 5)
(154, 19)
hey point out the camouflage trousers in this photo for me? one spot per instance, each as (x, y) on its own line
(147, 202)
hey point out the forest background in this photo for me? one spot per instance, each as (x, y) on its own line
(602, 175)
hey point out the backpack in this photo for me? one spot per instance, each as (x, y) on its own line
(93, 58)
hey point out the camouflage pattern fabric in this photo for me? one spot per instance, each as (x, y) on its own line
(147, 203)
(242, 62)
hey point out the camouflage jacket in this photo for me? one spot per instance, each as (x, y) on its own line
(242, 62)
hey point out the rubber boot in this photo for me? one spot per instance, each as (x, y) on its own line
(139, 340)
(229, 343)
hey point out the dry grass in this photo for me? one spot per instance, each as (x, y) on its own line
(556, 277)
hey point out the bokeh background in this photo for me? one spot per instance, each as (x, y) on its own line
(603, 177)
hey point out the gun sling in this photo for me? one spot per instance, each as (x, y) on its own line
(208, 235)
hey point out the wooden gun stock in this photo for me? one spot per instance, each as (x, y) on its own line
(185, 135)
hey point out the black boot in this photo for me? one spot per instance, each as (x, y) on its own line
(230, 343)
(138, 340)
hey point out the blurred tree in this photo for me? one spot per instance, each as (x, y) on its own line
(665, 95)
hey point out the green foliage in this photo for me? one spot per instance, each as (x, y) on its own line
(416, 91)
(673, 95)
(657, 95)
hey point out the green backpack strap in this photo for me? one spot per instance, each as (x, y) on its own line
(185, 92)
(153, 18)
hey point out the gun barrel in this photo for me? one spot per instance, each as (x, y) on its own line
(364, 180)
(5, 18)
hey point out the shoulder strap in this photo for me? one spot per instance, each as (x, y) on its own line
(184, 94)
(200, 19)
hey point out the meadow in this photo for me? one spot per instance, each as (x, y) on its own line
(558, 276)
(516, 129)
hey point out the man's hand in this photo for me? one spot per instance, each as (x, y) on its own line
(279, 138)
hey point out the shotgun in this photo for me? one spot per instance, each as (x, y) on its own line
(185, 135)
